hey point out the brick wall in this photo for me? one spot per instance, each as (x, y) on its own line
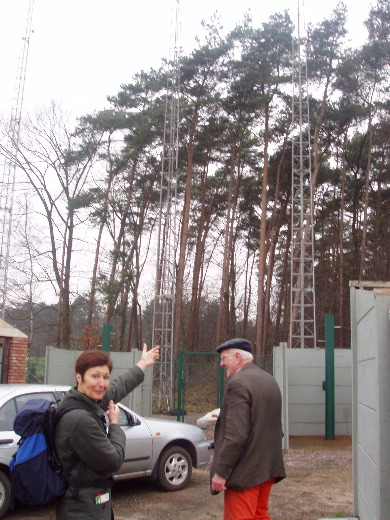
(15, 361)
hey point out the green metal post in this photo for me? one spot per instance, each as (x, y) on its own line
(329, 377)
(183, 387)
(179, 383)
(106, 337)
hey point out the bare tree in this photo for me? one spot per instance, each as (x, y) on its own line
(56, 165)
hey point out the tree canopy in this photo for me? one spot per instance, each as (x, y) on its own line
(88, 196)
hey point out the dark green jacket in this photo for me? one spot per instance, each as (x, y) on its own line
(80, 436)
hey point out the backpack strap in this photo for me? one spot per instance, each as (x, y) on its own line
(74, 404)
(79, 482)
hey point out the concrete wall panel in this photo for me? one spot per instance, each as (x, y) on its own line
(343, 359)
(367, 372)
(59, 370)
(370, 333)
(368, 425)
(369, 483)
(307, 358)
(306, 396)
(305, 375)
(302, 413)
(343, 395)
(343, 375)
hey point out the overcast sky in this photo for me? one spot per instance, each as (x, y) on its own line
(83, 50)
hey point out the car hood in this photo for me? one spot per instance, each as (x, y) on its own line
(164, 425)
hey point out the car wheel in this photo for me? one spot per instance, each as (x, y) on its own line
(5, 493)
(174, 468)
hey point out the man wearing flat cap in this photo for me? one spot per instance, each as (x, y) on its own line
(248, 457)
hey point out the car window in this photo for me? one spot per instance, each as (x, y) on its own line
(22, 399)
(11, 408)
(123, 419)
(7, 415)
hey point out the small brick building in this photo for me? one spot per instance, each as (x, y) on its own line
(14, 345)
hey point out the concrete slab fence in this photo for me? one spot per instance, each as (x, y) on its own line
(370, 338)
(59, 370)
(303, 371)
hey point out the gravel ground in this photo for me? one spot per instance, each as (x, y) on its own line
(318, 485)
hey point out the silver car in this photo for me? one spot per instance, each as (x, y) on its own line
(162, 450)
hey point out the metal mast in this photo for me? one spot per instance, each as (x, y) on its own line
(302, 310)
(7, 186)
(165, 287)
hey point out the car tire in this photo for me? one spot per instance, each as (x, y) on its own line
(174, 468)
(5, 493)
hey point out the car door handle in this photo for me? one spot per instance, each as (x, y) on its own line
(6, 441)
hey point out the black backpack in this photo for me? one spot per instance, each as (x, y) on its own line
(38, 477)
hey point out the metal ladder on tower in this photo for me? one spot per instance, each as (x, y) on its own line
(165, 283)
(302, 308)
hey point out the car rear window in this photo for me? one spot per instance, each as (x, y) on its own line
(11, 407)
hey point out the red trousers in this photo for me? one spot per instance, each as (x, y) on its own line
(251, 504)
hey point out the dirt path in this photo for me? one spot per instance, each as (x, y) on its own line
(318, 485)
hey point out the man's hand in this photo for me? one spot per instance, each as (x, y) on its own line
(149, 357)
(218, 484)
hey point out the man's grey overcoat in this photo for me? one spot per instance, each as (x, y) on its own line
(248, 432)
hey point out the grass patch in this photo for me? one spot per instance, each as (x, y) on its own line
(35, 370)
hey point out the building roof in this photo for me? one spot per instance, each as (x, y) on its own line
(8, 331)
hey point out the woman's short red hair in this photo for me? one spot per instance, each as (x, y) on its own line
(92, 358)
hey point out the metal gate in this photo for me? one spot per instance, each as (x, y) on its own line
(200, 382)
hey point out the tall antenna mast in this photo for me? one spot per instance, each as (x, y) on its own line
(302, 310)
(165, 288)
(9, 172)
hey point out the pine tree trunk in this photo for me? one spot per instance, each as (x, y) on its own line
(366, 199)
(116, 252)
(341, 246)
(183, 242)
(92, 298)
(223, 314)
(260, 344)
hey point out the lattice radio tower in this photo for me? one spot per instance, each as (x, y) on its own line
(302, 310)
(9, 173)
(165, 286)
